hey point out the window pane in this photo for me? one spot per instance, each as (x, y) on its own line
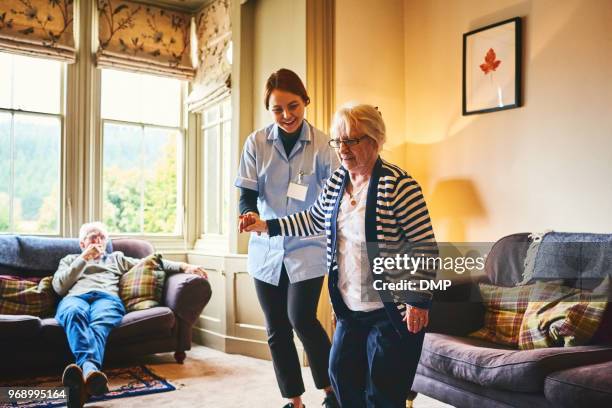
(211, 183)
(120, 96)
(161, 100)
(37, 84)
(122, 175)
(227, 108)
(5, 80)
(141, 98)
(161, 160)
(5, 170)
(211, 115)
(37, 173)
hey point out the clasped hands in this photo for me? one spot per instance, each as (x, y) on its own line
(93, 251)
(250, 222)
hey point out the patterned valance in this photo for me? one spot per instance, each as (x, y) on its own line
(144, 38)
(214, 33)
(41, 28)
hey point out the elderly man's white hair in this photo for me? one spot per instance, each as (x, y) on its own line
(365, 118)
(92, 226)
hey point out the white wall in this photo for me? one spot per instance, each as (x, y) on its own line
(279, 42)
(370, 63)
(546, 165)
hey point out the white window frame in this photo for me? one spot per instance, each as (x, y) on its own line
(62, 167)
(215, 242)
(170, 242)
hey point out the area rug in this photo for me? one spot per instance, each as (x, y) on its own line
(122, 382)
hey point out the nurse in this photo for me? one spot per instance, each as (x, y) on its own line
(282, 170)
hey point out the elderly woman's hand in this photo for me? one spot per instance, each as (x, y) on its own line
(416, 318)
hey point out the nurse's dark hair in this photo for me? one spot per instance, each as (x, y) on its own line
(288, 81)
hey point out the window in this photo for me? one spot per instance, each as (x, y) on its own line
(31, 120)
(142, 153)
(216, 134)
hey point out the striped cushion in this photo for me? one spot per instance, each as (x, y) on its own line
(504, 309)
(561, 316)
(27, 296)
(141, 287)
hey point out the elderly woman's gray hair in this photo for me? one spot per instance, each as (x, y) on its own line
(92, 226)
(367, 119)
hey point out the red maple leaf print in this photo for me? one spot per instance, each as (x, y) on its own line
(490, 63)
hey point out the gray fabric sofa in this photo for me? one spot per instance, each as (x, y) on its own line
(469, 372)
(29, 343)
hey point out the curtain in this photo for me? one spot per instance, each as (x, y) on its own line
(212, 79)
(144, 38)
(43, 28)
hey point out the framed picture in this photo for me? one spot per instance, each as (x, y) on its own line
(492, 67)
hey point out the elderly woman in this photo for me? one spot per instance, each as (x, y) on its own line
(377, 343)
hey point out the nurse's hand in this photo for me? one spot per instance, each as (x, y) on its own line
(246, 219)
(416, 318)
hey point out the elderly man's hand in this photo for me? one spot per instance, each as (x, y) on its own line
(194, 269)
(416, 318)
(92, 252)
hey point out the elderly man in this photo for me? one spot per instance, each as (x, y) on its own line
(91, 307)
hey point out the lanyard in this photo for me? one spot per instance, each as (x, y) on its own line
(300, 177)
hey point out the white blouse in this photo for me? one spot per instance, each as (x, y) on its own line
(353, 268)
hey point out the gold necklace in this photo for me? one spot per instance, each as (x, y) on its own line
(353, 197)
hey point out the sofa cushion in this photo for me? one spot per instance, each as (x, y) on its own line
(36, 256)
(561, 316)
(492, 365)
(157, 321)
(588, 386)
(14, 327)
(27, 296)
(504, 310)
(142, 286)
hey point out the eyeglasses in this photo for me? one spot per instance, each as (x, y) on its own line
(336, 143)
(97, 235)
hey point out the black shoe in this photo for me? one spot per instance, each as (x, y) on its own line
(290, 405)
(73, 379)
(96, 383)
(330, 401)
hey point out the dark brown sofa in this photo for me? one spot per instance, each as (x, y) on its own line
(468, 372)
(29, 343)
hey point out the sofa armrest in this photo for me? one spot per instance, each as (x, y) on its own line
(458, 310)
(186, 294)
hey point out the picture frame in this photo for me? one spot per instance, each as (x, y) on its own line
(492, 58)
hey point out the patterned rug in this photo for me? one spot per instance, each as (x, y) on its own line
(122, 382)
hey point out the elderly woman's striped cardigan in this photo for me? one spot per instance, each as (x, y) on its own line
(396, 219)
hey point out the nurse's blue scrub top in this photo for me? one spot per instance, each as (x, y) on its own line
(265, 168)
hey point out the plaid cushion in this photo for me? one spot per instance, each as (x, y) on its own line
(27, 296)
(504, 309)
(561, 316)
(141, 287)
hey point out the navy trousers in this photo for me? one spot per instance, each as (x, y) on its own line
(87, 320)
(370, 365)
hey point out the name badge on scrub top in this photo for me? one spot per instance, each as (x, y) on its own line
(297, 190)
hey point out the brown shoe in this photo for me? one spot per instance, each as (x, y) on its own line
(73, 379)
(96, 383)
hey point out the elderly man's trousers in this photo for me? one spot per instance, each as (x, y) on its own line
(87, 320)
